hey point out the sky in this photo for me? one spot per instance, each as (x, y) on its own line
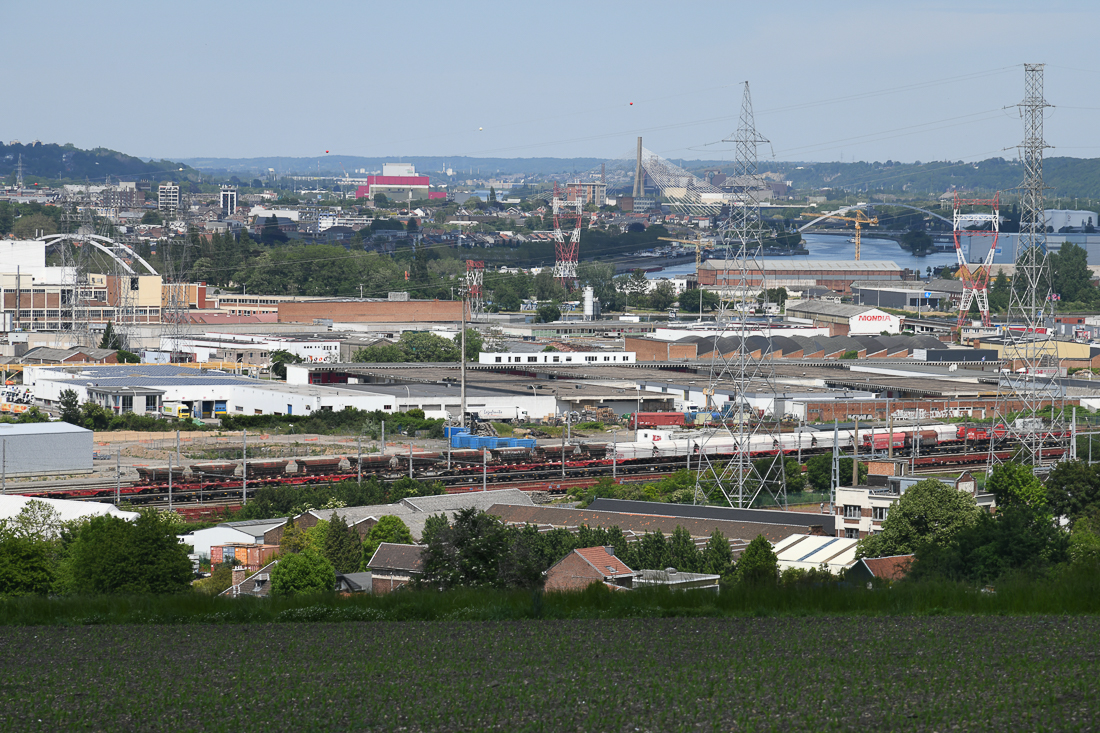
(838, 81)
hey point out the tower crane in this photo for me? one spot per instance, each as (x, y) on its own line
(698, 248)
(698, 261)
(859, 218)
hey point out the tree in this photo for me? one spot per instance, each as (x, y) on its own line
(26, 567)
(152, 217)
(758, 564)
(683, 554)
(467, 553)
(547, 287)
(492, 195)
(28, 550)
(303, 573)
(93, 417)
(548, 313)
(388, 529)
(717, 556)
(663, 296)
(33, 226)
(651, 552)
(428, 347)
(380, 354)
(111, 555)
(271, 233)
(636, 283)
(110, 339)
(1073, 490)
(689, 300)
(70, 407)
(37, 521)
(525, 560)
(917, 242)
(221, 577)
(601, 278)
(929, 512)
(1018, 539)
(819, 472)
(293, 539)
(342, 546)
(1070, 273)
(280, 358)
(1014, 483)
(474, 343)
(380, 199)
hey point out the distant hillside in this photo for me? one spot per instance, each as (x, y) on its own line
(1064, 177)
(60, 162)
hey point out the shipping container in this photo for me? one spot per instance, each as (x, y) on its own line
(656, 419)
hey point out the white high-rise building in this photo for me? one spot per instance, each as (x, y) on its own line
(168, 197)
(229, 200)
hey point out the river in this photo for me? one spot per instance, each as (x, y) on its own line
(836, 247)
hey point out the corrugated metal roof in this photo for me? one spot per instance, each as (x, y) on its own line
(825, 308)
(12, 430)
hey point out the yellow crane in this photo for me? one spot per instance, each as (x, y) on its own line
(698, 261)
(698, 248)
(859, 218)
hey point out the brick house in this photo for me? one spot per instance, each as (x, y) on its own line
(581, 568)
(890, 568)
(393, 566)
(246, 583)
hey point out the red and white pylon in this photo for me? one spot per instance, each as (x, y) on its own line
(975, 282)
(567, 215)
(475, 279)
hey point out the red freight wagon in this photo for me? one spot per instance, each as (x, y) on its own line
(656, 419)
(882, 441)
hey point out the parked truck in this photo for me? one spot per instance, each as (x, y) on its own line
(177, 410)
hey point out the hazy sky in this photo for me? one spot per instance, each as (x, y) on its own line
(830, 80)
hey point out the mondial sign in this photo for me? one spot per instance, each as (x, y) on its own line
(873, 322)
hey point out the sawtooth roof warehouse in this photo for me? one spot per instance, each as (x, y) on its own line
(842, 319)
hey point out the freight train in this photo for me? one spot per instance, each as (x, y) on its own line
(463, 469)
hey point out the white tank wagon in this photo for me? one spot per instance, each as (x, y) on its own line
(666, 444)
(45, 449)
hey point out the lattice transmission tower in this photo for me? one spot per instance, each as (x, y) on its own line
(1028, 390)
(745, 373)
(568, 216)
(475, 282)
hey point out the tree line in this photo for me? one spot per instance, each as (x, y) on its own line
(954, 539)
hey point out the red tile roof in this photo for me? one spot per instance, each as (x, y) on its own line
(604, 562)
(894, 567)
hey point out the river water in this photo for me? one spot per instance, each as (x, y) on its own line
(836, 247)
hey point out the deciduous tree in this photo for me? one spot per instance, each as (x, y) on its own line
(388, 529)
(929, 512)
(303, 573)
(1014, 483)
(1073, 490)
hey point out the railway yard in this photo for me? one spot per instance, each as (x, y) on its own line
(908, 416)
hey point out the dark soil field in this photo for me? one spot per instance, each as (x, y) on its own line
(786, 674)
